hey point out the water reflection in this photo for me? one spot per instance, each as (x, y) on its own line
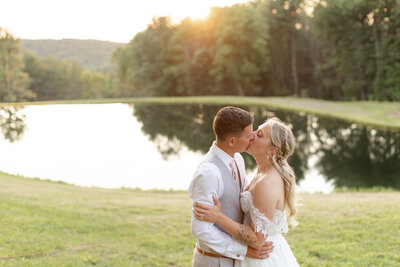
(12, 122)
(87, 145)
(171, 127)
(351, 154)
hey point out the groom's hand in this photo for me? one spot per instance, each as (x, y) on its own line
(262, 253)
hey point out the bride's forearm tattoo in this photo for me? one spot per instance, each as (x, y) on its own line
(244, 235)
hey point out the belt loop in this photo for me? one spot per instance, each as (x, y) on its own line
(200, 250)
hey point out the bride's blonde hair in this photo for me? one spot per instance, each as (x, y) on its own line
(283, 138)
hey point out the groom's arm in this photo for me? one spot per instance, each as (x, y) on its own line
(207, 182)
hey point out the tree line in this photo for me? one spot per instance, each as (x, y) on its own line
(328, 49)
(92, 55)
(25, 76)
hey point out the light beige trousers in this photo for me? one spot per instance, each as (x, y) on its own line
(200, 260)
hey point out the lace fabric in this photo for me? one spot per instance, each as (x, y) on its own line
(261, 222)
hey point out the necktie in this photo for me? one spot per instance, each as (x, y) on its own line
(234, 171)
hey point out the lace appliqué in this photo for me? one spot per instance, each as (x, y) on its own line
(264, 225)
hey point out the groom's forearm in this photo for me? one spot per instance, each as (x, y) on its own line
(217, 240)
(241, 232)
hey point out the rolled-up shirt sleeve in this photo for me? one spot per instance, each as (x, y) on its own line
(207, 182)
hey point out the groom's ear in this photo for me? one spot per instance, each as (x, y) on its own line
(231, 141)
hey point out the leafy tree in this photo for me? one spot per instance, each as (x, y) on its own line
(359, 48)
(143, 63)
(59, 79)
(240, 58)
(12, 122)
(95, 85)
(13, 81)
(333, 49)
(284, 18)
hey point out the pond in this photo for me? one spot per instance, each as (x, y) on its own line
(158, 146)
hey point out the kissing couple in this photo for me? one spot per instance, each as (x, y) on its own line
(237, 223)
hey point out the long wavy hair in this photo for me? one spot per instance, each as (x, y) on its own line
(283, 138)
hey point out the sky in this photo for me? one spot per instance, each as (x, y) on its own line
(108, 20)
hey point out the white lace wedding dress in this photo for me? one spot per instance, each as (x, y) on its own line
(281, 255)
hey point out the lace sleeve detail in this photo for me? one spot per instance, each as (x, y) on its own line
(265, 226)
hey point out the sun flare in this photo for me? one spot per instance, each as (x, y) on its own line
(179, 10)
(117, 20)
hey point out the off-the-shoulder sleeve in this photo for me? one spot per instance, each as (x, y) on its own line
(265, 226)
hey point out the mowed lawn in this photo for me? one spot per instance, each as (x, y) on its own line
(53, 224)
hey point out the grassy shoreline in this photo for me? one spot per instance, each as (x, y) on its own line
(47, 223)
(380, 114)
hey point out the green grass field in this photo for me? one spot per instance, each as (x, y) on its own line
(46, 223)
(383, 114)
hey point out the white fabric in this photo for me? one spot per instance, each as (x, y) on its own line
(281, 255)
(207, 181)
(261, 222)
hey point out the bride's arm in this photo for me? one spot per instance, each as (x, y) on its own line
(264, 199)
(241, 232)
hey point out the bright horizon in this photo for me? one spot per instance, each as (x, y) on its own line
(115, 21)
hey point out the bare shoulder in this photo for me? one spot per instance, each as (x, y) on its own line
(266, 195)
(269, 188)
(271, 182)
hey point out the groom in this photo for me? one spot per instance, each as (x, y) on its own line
(222, 173)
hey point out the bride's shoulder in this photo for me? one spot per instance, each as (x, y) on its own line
(271, 179)
(269, 184)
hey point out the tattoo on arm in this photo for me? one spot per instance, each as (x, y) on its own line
(244, 235)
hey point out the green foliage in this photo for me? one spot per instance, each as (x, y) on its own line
(144, 62)
(224, 54)
(13, 81)
(241, 57)
(60, 79)
(92, 55)
(359, 43)
(335, 49)
(12, 122)
(331, 49)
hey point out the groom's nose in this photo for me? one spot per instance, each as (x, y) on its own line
(252, 136)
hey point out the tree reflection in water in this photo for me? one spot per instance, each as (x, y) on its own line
(12, 122)
(351, 154)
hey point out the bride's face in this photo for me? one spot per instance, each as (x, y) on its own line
(262, 144)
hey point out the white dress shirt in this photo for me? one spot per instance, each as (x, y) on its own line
(207, 181)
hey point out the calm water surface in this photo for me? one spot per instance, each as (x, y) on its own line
(160, 146)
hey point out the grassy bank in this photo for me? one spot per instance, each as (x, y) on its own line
(383, 114)
(53, 224)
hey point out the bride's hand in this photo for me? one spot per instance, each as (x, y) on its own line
(208, 213)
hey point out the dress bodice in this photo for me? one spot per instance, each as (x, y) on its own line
(261, 222)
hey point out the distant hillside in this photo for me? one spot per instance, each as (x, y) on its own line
(92, 55)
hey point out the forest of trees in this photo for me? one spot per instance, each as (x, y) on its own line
(331, 49)
(327, 49)
(92, 55)
(26, 76)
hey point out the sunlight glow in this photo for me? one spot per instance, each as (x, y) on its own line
(117, 20)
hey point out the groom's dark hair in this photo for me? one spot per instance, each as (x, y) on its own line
(231, 121)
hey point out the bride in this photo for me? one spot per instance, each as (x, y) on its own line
(266, 198)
